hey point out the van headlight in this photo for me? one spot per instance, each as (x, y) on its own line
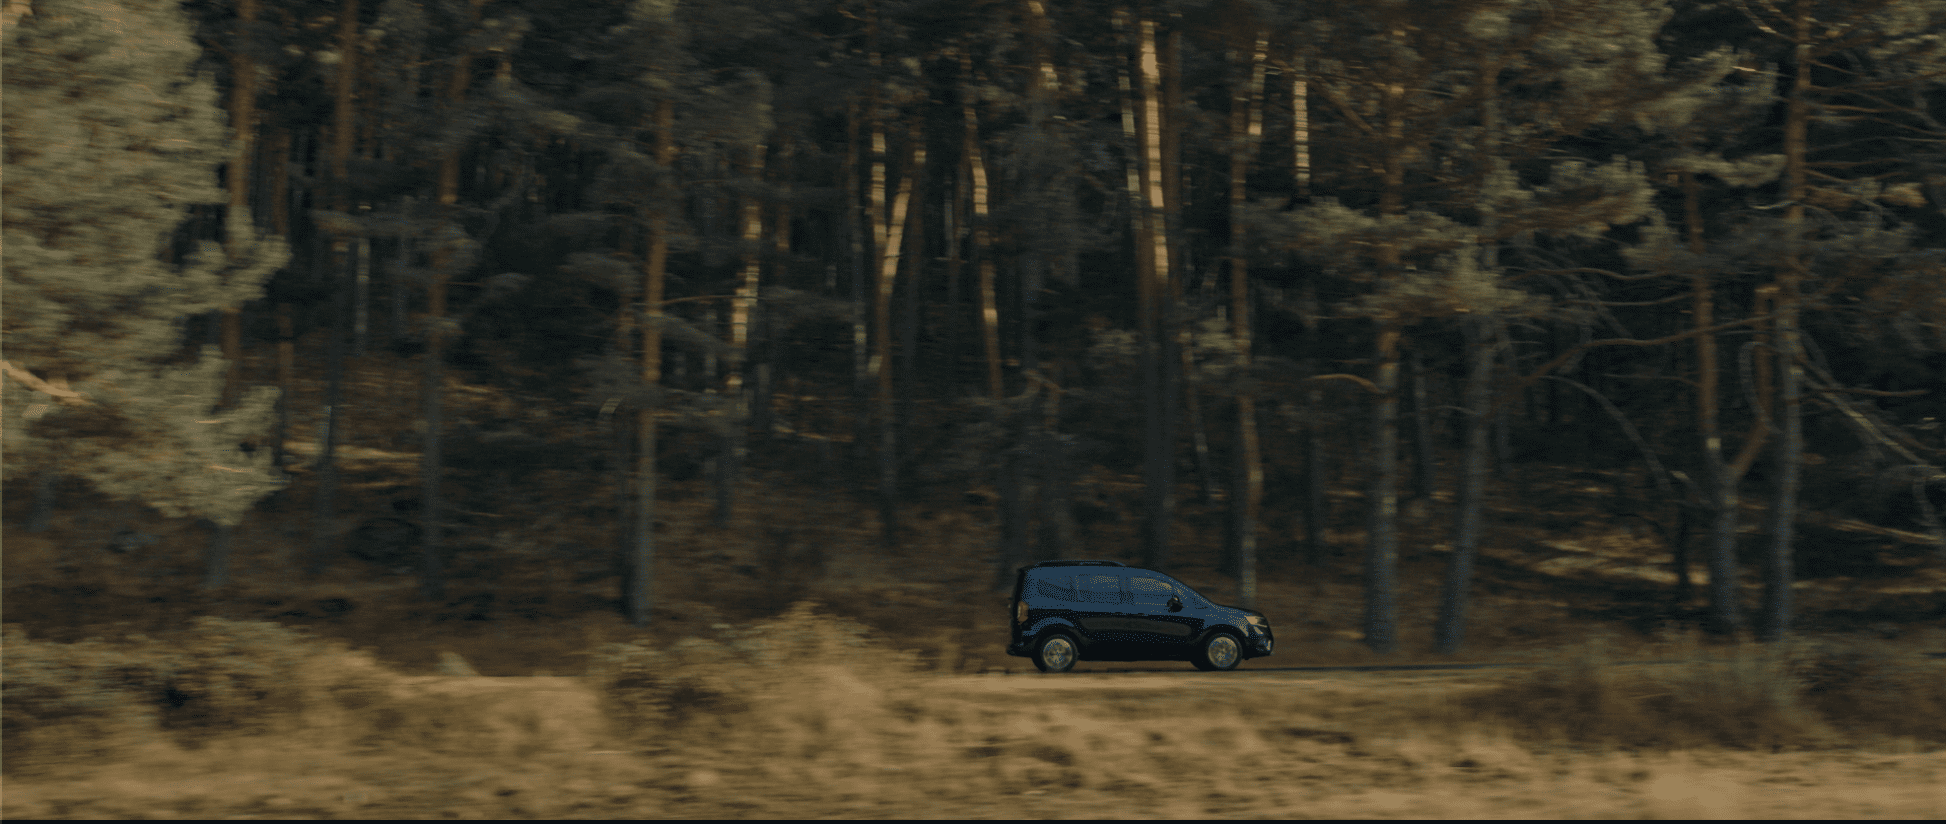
(1258, 621)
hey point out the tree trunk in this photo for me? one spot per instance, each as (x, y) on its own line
(1057, 494)
(1013, 517)
(1381, 546)
(323, 528)
(342, 121)
(1679, 560)
(1382, 542)
(911, 298)
(432, 575)
(621, 466)
(911, 315)
(243, 138)
(1503, 447)
(621, 430)
(361, 297)
(734, 447)
(890, 237)
(323, 521)
(780, 233)
(1774, 621)
(1425, 465)
(1198, 436)
(432, 579)
(1928, 515)
(1168, 125)
(1246, 125)
(1316, 472)
(982, 239)
(1160, 373)
(1724, 615)
(863, 234)
(279, 152)
(1725, 610)
(395, 330)
(639, 582)
(216, 558)
(1707, 373)
(1450, 631)
(286, 367)
(43, 513)
(1158, 468)
(953, 217)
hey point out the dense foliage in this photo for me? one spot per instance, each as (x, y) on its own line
(1020, 238)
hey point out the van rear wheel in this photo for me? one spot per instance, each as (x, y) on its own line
(1055, 653)
(1220, 652)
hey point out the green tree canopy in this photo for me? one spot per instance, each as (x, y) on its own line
(110, 138)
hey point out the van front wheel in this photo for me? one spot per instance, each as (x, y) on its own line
(1219, 653)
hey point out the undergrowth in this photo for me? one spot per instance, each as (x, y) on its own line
(807, 690)
(1806, 693)
(217, 679)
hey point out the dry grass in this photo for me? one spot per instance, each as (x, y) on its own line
(806, 715)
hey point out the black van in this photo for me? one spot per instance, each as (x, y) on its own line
(1066, 611)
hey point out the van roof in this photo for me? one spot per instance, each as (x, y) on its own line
(1078, 563)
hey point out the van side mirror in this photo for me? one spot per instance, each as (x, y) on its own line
(1175, 604)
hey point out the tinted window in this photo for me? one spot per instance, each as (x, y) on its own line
(1189, 596)
(1060, 587)
(1101, 589)
(1150, 591)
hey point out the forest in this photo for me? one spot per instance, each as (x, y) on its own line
(641, 408)
(1208, 284)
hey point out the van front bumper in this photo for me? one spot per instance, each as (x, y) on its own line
(1259, 644)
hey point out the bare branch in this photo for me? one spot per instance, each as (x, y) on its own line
(1758, 22)
(1656, 471)
(61, 393)
(1550, 366)
(1369, 386)
(1585, 270)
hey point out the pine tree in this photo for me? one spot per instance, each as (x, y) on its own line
(652, 104)
(1431, 108)
(111, 136)
(1838, 223)
(1721, 115)
(1884, 45)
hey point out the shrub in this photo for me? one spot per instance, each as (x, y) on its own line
(1872, 688)
(216, 678)
(644, 687)
(61, 701)
(750, 672)
(1800, 694)
(235, 676)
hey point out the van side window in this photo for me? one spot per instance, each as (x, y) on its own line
(1059, 587)
(1150, 591)
(1101, 589)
